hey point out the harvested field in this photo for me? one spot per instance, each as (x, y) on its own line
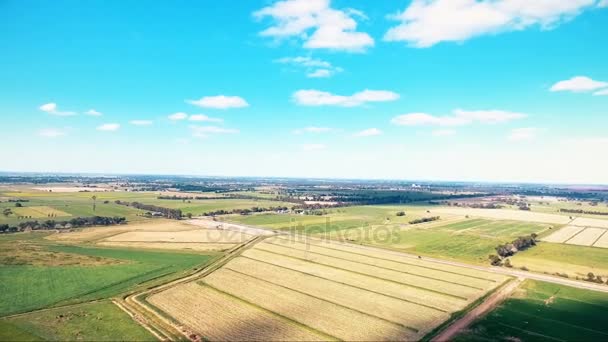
(602, 241)
(503, 214)
(393, 265)
(210, 224)
(190, 236)
(332, 319)
(171, 245)
(587, 237)
(441, 286)
(590, 222)
(406, 313)
(563, 234)
(386, 287)
(219, 317)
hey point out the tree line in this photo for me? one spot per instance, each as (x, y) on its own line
(244, 211)
(581, 211)
(509, 249)
(166, 212)
(76, 222)
(424, 219)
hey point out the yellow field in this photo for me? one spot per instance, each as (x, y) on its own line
(587, 237)
(97, 233)
(170, 245)
(332, 319)
(563, 234)
(189, 236)
(38, 212)
(603, 241)
(590, 222)
(338, 290)
(504, 214)
(219, 317)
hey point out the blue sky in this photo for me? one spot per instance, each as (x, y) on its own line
(503, 90)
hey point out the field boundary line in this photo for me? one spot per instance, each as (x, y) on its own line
(577, 233)
(599, 237)
(345, 284)
(246, 302)
(328, 301)
(161, 336)
(409, 264)
(368, 275)
(385, 268)
(480, 310)
(557, 321)
(530, 332)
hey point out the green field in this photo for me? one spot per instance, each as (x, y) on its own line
(544, 312)
(99, 321)
(107, 272)
(575, 261)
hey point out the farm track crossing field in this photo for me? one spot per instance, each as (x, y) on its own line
(544, 312)
(219, 317)
(332, 319)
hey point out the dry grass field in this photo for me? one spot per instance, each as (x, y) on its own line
(158, 234)
(581, 236)
(590, 222)
(503, 214)
(587, 237)
(219, 317)
(337, 290)
(563, 234)
(39, 212)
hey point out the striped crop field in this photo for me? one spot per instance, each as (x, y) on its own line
(581, 236)
(563, 234)
(587, 237)
(330, 290)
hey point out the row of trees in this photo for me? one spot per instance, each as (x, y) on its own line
(424, 219)
(76, 222)
(169, 213)
(244, 211)
(581, 211)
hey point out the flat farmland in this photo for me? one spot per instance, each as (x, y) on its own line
(374, 295)
(39, 212)
(219, 317)
(540, 311)
(586, 237)
(582, 236)
(505, 214)
(563, 234)
(198, 207)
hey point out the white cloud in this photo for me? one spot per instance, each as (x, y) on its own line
(178, 116)
(220, 102)
(312, 129)
(578, 84)
(317, 24)
(51, 132)
(425, 23)
(602, 92)
(368, 132)
(320, 98)
(205, 131)
(313, 147)
(460, 117)
(523, 134)
(51, 108)
(203, 117)
(443, 132)
(109, 127)
(93, 112)
(315, 68)
(141, 122)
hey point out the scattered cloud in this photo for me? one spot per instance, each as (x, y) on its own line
(220, 102)
(51, 108)
(425, 23)
(602, 92)
(370, 132)
(109, 127)
(315, 68)
(313, 147)
(523, 134)
(460, 117)
(93, 112)
(578, 84)
(205, 131)
(321, 98)
(443, 132)
(141, 122)
(312, 129)
(203, 117)
(178, 116)
(51, 132)
(317, 24)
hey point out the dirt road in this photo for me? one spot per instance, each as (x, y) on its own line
(488, 305)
